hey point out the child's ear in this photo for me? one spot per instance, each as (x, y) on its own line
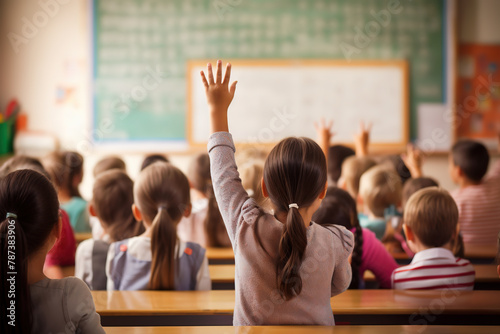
(92, 210)
(187, 212)
(264, 189)
(323, 193)
(408, 232)
(136, 212)
(56, 231)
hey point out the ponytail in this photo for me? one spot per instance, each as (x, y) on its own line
(163, 248)
(292, 247)
(16, 299)
(214, 224)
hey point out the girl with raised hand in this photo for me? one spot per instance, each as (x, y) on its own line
(30, 226)
(287, 267)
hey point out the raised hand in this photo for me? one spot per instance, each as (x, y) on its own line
(219, 95)
(362, 139)
(413, 160)
(324, 134)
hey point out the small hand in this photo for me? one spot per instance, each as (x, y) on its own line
(219, 95)
(362, 139)
(324, 131)
(413, 160)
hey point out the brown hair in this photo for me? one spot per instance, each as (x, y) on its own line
(63, 168)
(201, 180)
(338, 207)
(472, 157)
(161, 193)
(32, 200)
(251, 176)
(432, 215)
(109, 163)
(22, 162)
(113, 196)
(337, 154)
(152, 158)
(352, 169)
(294, 172)
(380, 187)
(414, 184)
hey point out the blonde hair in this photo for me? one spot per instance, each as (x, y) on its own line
(251, 176)
(352, 170)
(432, 214)
(380, 187)
(108, 163)
(161, 193)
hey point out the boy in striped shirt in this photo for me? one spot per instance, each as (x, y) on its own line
(430, 225)
(478, 196)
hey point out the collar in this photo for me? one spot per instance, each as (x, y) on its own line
(433, 253)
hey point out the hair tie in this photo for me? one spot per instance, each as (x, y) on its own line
(293, 205)
(11, 215)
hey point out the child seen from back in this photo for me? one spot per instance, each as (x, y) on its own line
(478, 197)
(66, 172)
(204, 226)
(31, 225)
(287, 268)
(430, 225)
(157, 259)
(111, 204)
(369, 253)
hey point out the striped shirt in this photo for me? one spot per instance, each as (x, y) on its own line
(479, 207)
(434, 268)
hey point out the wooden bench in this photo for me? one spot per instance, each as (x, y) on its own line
(357, 307)
(304, 329)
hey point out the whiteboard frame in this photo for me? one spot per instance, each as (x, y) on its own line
(402, 65)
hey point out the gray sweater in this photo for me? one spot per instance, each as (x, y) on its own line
(325, 270)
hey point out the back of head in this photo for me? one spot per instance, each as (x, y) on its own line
(472, 157)
(109, 163)
(399, 166)
(201, 180)
(22, 162)
(64, 168)
(294, 172)
(113, 196)
(30, 212)
(414, 184)
(336, 156)
(432, 215)
(338, 207)
(251, 176)
(161, 193)
(152, 158)
(379, 188)
(352, 169)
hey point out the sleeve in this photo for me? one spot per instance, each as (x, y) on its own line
(229, 192)
(378, 260)
(83, 261)
(110, 285)
(342, 273)
(203, 281)
(81, 309)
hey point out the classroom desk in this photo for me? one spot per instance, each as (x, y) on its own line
(480, 252)
(79, 237)
(357, 307)
(306, 330)
(220, 255)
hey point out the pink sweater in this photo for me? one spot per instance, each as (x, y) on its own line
(325, 269)
(376, 259)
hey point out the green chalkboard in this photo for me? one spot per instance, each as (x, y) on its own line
(141, 49)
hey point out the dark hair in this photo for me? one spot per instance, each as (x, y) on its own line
(113, 196)
(22, 162)
(162, 195)
(151, 159)
(201, 180)
(414, 184)
(109, 163)
(32, 200)
(336, 156)
(432, 214)
(338, 207)
(63, 168)
(472, 157)
(294, 172)
(399, 166)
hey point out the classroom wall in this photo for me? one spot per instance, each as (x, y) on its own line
(57, 55)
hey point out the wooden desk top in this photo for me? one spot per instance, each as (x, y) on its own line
(125, 303)
(480, 251)
(220, 254)
(79, 237)
(305, 329)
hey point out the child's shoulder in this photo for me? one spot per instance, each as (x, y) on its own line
(334, 233)
(70, 285)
